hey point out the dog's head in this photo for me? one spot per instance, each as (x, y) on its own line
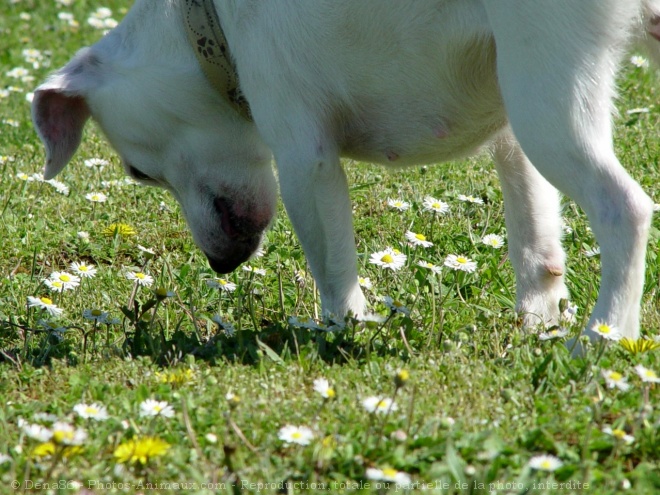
(171, 129)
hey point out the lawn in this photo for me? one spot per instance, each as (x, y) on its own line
(137, 369)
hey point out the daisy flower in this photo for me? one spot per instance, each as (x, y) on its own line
(470, 199)
(52, 327)
(493, 240)
(398, 204)
(606, 330)
(388, 474)
(83, 270)
(140, 278)
(140, 450)
(222, 284)
(639, 61)
(545, 462)
(418, 239)
(619, 434)
(224, 325)
(60, 187)
(152, 407)
(554, 333)
(379, 405)
(251, 269)
(429, 266)
(646, 374)
(459, 262)
(91, 411)
(95, 315)
(66, 434)
(301, 435)
(54, 285)
(37, 432)
(68, 280)
(615, 379)
(395, 306)
(46, 304)
(96, 163)
(388, 258)
(435, 205)
(24, 177)
(365, 283)
(303, 322)
(322, 386)
(96, 197)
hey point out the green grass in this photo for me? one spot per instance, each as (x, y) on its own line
(484, 396)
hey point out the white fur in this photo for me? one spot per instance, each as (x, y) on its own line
(389, 81)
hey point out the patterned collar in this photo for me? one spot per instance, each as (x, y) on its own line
(210, 46)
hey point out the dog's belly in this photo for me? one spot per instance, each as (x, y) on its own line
(439, 103)
(404, 139)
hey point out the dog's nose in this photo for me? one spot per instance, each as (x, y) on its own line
(227, 264)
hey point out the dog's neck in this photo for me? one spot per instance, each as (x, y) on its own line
(210, 46)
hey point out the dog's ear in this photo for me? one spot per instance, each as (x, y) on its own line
(59, 109)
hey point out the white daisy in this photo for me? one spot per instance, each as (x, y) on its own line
(140, 278)
(304, 322)
(54, 285)
(365, 283)
(460, 262)
(152, 407)
(91, 411)
(429, 266)
(470, 199)
(83, 270)
(388, 258)
(639, 61)
(96, 197)
(251, 269)
(95, 315)
(395, 306)
(398, 204)
(646, 374)
(96, 163)
(493, 240)
(379, 405)
(388, 474)
(418, 239)
(66, 434)
(224, 325)
(60, 187)
(222, 284)
(37, 432)
(615, 379)
(322, 386)
(435, 205)
(619, 434)
(301, 435)
(554, 333)
(46, 304)
(68, 280)
(606, 331)
(545, 462)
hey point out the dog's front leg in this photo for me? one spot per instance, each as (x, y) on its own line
(533, 223)
(315, 194)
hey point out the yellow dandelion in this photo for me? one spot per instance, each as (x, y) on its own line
(119, 230)
(176, 377)
(639, 346)
(140, 450)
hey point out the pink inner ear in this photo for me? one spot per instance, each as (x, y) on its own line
(59, 119)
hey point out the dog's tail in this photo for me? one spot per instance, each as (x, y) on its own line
(650, 39)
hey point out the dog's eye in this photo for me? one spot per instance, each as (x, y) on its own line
(136, 174)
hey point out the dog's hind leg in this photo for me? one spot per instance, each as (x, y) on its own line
(533, 224)
(556, 64)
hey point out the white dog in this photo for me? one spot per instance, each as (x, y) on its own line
(201, 106)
